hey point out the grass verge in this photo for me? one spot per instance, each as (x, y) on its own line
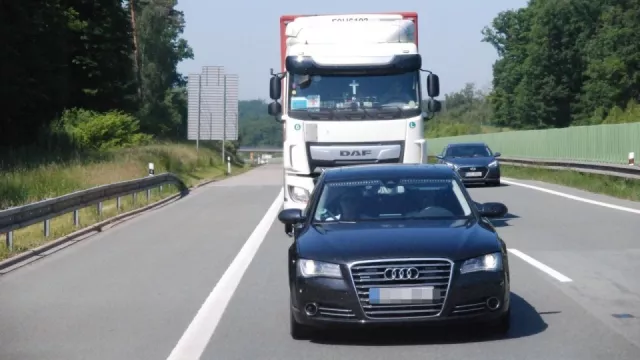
(622, 188)
(26, 185)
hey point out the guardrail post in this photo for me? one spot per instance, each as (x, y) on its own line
(99, 208)
(118, 203)
(148, 195)
(76, 218)
(135, 197)
(9, 241)
(47, 228)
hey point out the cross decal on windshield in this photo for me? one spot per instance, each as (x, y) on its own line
(354, 85)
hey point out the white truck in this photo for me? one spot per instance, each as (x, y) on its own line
(351, 90)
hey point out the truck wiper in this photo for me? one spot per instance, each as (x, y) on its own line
(389, 111)
(318, 113)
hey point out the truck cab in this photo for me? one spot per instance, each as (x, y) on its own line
(349, 93)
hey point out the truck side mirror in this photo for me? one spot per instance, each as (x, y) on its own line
(275, 88)
(434, 106)
(433, 85)
(274, 108)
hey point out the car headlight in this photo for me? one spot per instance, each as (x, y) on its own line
(298, 194)
(313, 268)
(494, 163)
(488, 262)
(453, 166)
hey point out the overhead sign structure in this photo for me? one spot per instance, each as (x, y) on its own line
(213, 105)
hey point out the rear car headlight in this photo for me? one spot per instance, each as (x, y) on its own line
(488, 262)
(312, 268)
(298, 194)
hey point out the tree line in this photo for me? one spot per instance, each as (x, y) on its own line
(78, 72)
(563, 63)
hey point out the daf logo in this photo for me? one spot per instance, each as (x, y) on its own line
(401, 273)
(355, 152)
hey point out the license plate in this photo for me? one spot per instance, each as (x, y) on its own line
(403, 295)
(473, 174)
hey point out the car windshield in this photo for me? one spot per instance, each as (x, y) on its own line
(468, 151)
(371, 200)
(338, 97)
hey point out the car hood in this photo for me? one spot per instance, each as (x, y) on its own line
(452, 239)
(470, 161)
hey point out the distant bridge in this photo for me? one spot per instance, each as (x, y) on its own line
(260, 149)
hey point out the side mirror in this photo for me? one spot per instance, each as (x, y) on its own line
(274, 108)
(275, 88)
(439, 157)
(434, 106)
(496, 154)
(291, 216)
(492, 209)
(433, 85)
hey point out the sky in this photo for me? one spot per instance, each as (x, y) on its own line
(243, 36)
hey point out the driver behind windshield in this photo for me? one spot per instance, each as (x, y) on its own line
(396, 94)
(421, 199)
(346, 204)
(468, 151)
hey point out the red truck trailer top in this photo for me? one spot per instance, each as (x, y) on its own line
(285, 19)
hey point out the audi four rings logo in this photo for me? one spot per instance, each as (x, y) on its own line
(401, 273)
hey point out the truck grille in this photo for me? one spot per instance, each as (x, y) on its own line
(431, 272)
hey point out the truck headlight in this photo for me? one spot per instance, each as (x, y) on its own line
(312, 268)
(494, 163)
(488, 262)
(298, 194)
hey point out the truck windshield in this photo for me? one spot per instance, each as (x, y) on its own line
(348, 97)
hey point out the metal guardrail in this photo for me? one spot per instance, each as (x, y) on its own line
(43, 211)
(626, 171)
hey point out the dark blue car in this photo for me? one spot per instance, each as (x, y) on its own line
(474, 162)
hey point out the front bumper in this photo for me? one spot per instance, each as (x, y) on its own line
(488, 175)
(338, 304)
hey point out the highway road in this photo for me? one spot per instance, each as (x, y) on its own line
(180, 281)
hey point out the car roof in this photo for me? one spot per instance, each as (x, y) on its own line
(467, 144)
(378, 171)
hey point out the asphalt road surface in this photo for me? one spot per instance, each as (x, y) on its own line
(180, 281)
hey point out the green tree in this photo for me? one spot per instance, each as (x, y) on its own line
(563, 63)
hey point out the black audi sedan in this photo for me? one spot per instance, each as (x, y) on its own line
(475, 162)
(395, 245)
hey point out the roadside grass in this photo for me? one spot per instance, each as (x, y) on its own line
(25, 185)
(622, 188)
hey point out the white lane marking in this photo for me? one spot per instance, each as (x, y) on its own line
(554, 274)
(195, 339)
(573, 197)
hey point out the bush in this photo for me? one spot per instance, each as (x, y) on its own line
(89, 130)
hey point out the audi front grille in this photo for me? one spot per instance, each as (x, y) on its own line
(402, 273)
